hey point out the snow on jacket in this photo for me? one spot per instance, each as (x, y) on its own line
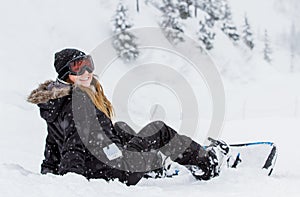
(68, 110)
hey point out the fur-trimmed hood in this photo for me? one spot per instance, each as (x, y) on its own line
(50, 96)
(47, 91)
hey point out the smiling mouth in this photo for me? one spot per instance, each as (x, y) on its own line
(84, 79)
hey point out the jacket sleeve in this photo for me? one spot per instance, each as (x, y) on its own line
(108, 129)
(52, 155)
(73, 150)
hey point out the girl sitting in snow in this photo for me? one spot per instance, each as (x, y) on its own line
(82, 138)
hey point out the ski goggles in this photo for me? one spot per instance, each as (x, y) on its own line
(79, 65)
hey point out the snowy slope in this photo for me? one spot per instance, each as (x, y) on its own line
(262, 100)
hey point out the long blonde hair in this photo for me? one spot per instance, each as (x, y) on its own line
(98, 98)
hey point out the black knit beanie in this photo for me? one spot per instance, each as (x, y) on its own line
(61, 58)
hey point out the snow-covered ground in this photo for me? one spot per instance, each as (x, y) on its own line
(21, 153)
(262, 100)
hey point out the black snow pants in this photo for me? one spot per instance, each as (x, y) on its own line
(157, 136)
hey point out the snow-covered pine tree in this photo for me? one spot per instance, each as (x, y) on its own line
(170, 23)
(267, 48)
(205, 35)
(184, 8)
(214, 8)
(123, 40)
(247, 34)
(228, 26)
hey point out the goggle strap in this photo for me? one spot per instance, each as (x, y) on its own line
(62, 81)
(66, 65)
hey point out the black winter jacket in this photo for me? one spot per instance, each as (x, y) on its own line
(77, 134)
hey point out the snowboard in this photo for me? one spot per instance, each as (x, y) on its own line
(255, 155)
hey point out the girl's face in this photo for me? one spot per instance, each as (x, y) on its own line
(85, 79)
